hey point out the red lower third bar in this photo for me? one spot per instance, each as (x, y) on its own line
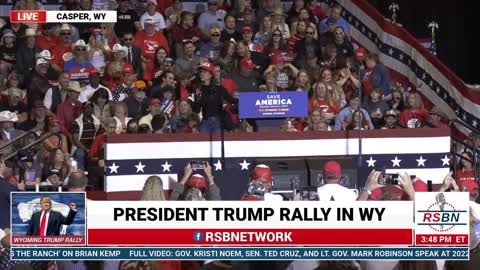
(28, 16)
(441, 239)
(353, 237)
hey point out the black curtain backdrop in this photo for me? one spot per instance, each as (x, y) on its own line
(457, 30)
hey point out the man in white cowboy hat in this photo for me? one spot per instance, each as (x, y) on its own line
(14, 103)
(63, 51)
(79, 66)
(7, 126)
(26, 54)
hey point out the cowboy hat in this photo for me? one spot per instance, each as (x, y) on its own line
(8, 116)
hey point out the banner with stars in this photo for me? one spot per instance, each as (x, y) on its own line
(411, 62)
(132, 159)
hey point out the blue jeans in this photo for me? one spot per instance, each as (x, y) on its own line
(211, 124)
(79, 155)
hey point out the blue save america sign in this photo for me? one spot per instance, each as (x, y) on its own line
(273, 105)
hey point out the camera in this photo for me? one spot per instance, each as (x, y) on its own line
(389, 179)
(197, 165)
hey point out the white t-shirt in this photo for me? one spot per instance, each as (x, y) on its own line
(336, 192)
(157, 18)
(272, 197)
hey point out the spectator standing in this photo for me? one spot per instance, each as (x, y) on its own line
(71, 108)
(152, 14)
(211, 17)
(133, 53)
(39, 83)
(209, 99)
(101, 106)
(343, 43)
(84, 130)
(335, 12)
(185, 30)
(26, 55)
(149, 40)
(127, 19)
(332, 190)
(307, 46)
(376, 76)
(8, 50)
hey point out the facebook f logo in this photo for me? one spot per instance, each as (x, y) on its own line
(197, 236)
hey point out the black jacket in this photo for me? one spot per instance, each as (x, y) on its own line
(211, 100)
(55, 220)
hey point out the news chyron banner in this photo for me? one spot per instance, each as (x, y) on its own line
(61, 16)
(435, 226)
(285, 223)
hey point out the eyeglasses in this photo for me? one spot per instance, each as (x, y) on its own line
(215, 35)
(65, 34)
(128, 39)
(310, 33)
(80, 49)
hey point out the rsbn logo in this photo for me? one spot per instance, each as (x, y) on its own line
(441, 216)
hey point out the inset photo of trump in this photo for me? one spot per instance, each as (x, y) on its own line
(48, 219)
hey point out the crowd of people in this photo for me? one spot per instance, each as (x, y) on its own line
(163, 69)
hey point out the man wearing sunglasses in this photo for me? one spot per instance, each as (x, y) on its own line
(79, 66)
(133, 53)
(212, 49)
(307, 46)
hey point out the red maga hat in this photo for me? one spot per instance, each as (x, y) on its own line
(246, 62)
(262, 171)
(332, 169)
(197, 181)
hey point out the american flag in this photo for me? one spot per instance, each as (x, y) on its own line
(410, 62)
(130, 160)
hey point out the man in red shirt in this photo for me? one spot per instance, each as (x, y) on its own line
(150, 40)
(47, 40)
(71, 108)
(63, 51)
(186, 30)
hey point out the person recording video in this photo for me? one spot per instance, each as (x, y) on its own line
(48, 222)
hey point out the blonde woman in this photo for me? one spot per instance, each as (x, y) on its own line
(120, 116)
(153, 189)
(302, 81)
(414, 112)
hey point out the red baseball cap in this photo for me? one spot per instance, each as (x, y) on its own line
(262, 171)
(93, 71)
(197, 181)
(246, 62)
(361, 54)
(332, 169)
(247, 29)
(154, 101)
(251, 198)
(207, 66)
(277, 59)
(128, 70)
